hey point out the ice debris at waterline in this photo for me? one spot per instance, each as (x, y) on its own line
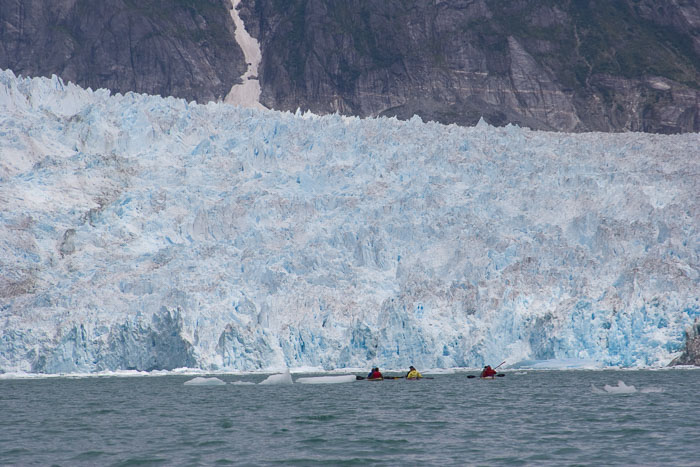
(201, 381)
(557, 364)
(146, 233)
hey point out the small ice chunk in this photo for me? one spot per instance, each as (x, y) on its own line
(327, 379)
(621, 388)
(200, 381)
(282, 378)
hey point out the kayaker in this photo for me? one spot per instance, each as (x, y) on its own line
(375, 374)
(413, 373)
(488, 372)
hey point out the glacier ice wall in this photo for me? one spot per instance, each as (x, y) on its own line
(140, 232)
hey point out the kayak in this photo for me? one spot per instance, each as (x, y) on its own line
(378, 379)
(390, 378)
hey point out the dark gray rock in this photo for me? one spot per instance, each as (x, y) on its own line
(67, 245)
(571, 66)
(181, 48)
(567, 66)
(691, 353)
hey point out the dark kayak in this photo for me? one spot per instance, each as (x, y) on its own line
(378, 379)
(390, 378)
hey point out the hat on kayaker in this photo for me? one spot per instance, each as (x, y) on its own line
(411, 367)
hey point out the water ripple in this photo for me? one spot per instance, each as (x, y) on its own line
(543, 418)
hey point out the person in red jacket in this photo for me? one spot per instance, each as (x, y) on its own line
(488, 372)
(375, 374)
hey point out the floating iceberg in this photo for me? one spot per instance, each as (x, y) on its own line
(623, 388)
(140, 233)
(281, 378)
(201, 381)
(327, 379)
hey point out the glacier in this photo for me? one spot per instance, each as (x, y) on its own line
(148, 233)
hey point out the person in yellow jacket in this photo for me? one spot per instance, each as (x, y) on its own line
(413, 373)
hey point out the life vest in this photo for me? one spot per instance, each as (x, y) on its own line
(413, 374)
(488, 372)
(375, 375)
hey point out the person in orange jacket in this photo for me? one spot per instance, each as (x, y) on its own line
(375, 374)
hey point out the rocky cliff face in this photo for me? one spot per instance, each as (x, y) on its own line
(691, 352)
(557, 65)
(571, 66)
(183, 48)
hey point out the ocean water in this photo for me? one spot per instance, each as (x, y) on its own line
(525, 418)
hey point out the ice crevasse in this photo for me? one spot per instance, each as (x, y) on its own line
(140, 232)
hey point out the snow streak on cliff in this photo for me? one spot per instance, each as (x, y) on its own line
(140, 232)
(246, 94)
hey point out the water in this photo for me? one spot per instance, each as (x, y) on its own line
(541, 417)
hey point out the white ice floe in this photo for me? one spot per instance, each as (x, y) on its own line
(201, 381)
(623, 388)
(327, 379)
(282, 378)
